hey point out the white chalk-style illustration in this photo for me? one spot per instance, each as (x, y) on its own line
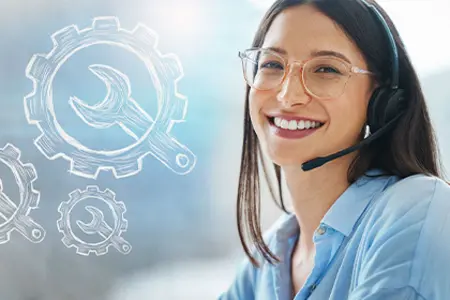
(17, 216)
(112, 236)
(118, 107)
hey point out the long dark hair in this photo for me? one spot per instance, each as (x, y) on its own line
(411, 148)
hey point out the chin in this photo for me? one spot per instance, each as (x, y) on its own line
(288, 158)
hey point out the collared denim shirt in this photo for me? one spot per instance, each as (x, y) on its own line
(383, 239)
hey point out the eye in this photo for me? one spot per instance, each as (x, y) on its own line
(327, 69)
(272, 65)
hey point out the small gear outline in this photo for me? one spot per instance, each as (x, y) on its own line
(25, 174)
(165, 71)
(100, 248)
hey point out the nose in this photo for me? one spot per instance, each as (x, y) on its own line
(293, 91)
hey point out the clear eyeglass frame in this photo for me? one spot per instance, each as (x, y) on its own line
(351, 69)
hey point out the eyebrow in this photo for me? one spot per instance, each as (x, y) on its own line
(314, 53)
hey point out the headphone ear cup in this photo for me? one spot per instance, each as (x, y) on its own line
(384, 105)
(396, 104)
(374, 111)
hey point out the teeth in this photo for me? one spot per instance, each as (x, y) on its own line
(301, 125)
(277, 122)
(294, 125)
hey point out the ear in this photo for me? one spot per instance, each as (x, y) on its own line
(374, 84)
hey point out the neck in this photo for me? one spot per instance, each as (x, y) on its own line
(313, 193)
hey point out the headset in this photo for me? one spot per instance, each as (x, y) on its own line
(386, 105)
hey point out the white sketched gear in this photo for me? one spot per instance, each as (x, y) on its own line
(165, 71)
(25, 175)
(71, 240)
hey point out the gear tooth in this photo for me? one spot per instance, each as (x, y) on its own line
(74, 195)
(60, 224)
(92, 189)
(122, 206)
(65, 36)
(39, 68)
(11, 151)
(101, 251)
(47, 146)
(128, 169)
(179, 108)
(63, 208)
(30, 172)
(110, 195)
(34, 199)
(109, 24)
(84, 169)
(67, 241)
(60, 208)
(4, 238)
(83, 250)
(124, 225)
(32, 110)
(146, 35)
(173, 64)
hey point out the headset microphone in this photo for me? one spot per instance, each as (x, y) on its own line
(319, 161)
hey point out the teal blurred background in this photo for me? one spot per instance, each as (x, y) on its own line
(181, 227)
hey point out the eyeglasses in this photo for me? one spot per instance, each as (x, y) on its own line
(323, 77)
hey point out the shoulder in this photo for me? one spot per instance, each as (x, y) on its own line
(415, 196)
(408, 231)
(415, 203)
(419, 184)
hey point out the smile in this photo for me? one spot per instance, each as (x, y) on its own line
(293, 129)
(296, 125)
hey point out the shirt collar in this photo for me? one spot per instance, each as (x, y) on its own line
(346, 210)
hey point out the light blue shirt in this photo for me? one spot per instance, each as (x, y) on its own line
(383, 239)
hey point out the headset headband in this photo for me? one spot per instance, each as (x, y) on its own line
(394, 52)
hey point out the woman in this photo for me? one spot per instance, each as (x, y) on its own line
(371, 224)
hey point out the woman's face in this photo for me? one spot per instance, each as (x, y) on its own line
(298, 32)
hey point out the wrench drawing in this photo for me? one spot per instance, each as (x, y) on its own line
(98, 225)
(118, 107)
(23, 223)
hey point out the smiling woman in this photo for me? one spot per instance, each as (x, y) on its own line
(333, 77)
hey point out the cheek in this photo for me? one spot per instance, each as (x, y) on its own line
(348, 114)
(255, 104)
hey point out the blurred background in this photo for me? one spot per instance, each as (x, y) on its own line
(182, 228)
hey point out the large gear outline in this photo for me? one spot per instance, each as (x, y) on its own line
(25, 174)
(165, 70)
(71, 240)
